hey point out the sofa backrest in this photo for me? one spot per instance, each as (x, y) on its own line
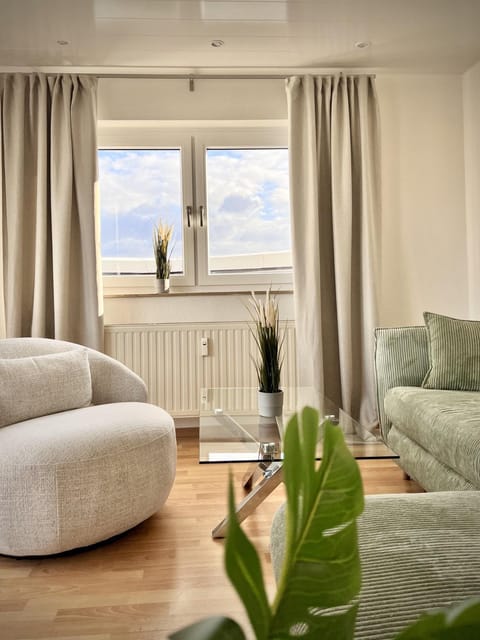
(112, 381)
(401, 360)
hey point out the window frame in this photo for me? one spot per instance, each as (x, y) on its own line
(193, 138)
(152, 136)
(233, 138)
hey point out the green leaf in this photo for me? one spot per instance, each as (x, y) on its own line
(321, 576)
(245, 572)
(456, 623)
(215, 628)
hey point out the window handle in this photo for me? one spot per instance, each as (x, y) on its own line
(188, 209)
(202, 215)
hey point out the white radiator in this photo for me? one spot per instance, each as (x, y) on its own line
(168, 358)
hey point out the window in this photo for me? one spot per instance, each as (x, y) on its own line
(137, 186)
(225, 191)
(248, 210)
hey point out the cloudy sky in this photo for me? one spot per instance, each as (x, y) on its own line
(247, 200)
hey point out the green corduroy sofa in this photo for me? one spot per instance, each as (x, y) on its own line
(420, 551)
(435, 432)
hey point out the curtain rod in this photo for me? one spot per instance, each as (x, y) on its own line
(187, 76)
(193, 77)
(196, 76)
(184, 76)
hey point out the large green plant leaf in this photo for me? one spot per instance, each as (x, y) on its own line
(215, 628)
(245, 572)
(321, 574)
(461, 622)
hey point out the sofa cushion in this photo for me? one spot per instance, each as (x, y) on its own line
(445, 423)
(418, 552)
(401, 359)
(74, 478)
(41, 385)
(454, 353)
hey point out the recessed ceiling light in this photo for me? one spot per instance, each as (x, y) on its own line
(217, 43)
(62, 42)
(363, 44)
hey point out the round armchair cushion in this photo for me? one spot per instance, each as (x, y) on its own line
(74, 478)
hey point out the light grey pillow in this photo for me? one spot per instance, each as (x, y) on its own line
(454, 353)
(40, 385)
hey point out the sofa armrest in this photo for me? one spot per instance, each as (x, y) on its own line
(112, 381)
(401, 360)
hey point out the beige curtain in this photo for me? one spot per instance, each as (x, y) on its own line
(48, 162)
(335, 196)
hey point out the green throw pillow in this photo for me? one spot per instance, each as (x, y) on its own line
(454, 352)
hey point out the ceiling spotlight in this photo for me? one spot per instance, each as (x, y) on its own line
(217, 43)
(62, 42)
(363, 44)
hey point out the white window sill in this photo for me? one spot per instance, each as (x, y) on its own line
(144, 286)
(194, 291)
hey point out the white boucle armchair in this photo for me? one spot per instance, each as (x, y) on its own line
(83, 457)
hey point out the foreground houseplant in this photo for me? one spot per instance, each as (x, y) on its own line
(317, 596)
(267, 337)
(162, 235)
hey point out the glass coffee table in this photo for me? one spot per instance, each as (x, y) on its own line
(232, 431)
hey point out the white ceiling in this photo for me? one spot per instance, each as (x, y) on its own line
(123, 35)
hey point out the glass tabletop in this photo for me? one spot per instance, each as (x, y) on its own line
(231, 430)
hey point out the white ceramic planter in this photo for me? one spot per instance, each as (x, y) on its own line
(270, 405)
(162, 285)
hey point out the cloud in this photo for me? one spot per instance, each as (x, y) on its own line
(146, 182)
(247, 199)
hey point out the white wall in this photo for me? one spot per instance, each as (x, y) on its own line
(424, 263)
(126, 99)
(173, 308)
(471, 103)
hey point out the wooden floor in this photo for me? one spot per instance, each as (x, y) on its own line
(161, 575)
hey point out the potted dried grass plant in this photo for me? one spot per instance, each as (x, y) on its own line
(162, 235)
(269, 363)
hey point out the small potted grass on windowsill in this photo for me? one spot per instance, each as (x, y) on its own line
(162, 235)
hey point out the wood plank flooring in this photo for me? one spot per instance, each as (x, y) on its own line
(158, 577)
